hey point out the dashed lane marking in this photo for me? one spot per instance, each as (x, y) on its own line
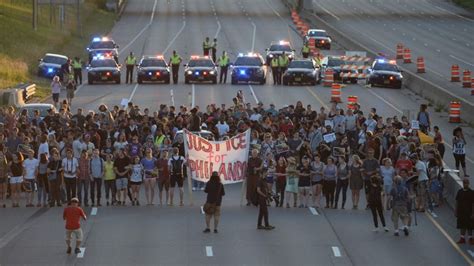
(253, 35)
(461, 60)
(94, 211)
(313, 211)
(336, 251)
(209, 252)
(317, 98)
(253, 93)
(80, 255)
(193, 96)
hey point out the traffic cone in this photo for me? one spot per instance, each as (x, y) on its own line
(466, 79)
(328, 77)
(455, 75)
(352, 102)
(406, 56)
(420, 65)
(399, 51)
(455, 112)
(336, 92)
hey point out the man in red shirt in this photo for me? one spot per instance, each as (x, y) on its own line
(72, 215)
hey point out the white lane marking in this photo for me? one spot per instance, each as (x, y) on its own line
(452, 13)
(273, 9)
(253, 35)
(434, 214)
(142, 31)
(209, 252)
(80, 86)
(80, 255)
(462, 60)
(470, 253)
(327, 11)
(218, 29)
(253, 93)
(317, 98)
(175, 37)
(336, 251)
(437, 73)
(202, 209)
(313, 211)
(385, 101)
(193, 97)
(94, 211)
(133, 93)
(172, 97)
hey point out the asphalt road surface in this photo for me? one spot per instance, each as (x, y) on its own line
(172, 236)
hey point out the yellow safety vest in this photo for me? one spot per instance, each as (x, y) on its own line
(274, 62)
(205, 45)
(159, 140)
(223, 61)
(131, 60)
(175, 59)
(283, 61)
(76, 64)
(305, 49)
(318, 61)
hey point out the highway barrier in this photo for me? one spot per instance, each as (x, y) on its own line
(406, 56)
(328, 77)
(399, 51)
(455, 112)
(455, 75)
(29, 90)
(352, 102)
(420, 65)
(466, 79)
(336, 92)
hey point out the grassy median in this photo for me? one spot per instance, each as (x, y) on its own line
(465, 3)
(21, 46)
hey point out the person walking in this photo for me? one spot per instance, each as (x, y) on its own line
(175, 61)
(223, 62)
(254, 171)
(262, 195)
(422, 183)
(439, 141)
(342, 182)
(214, 49)
(176, 164)
(16, 178)
(136, 179)
(130, 63)
(464, 212)
(70, 91)
(109, 180)
(370, 167)
(329, 185)
(291, 182)
(149, 164)
(77, 69)
(274, 64)
(83, 179)
(356, 183)
(72, 215)
(206, 46)
(459, 149)
(56, 90)
(121, 169)
(163, 176)
(375, 202)
(215, 191)
(423, 118)
(388, 173)
(280, 175)
(400, 198)
(304, 182)
(30, 174)
(55, 178)
(96, 174)
(317, 167)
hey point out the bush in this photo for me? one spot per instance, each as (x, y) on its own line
(12, 71)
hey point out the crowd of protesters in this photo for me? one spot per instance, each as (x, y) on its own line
(307, 156)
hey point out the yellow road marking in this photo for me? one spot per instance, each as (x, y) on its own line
(317, 98)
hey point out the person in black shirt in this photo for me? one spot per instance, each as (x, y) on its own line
(375, 201)
(262, 195)
(304, 181)
(121, 164)
(215, 191)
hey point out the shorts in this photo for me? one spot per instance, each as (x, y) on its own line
(135, 183)
(29, 184)
(216, 213)
(76, 232)
(16, 180)
(320, 182)
(164, 183)
(121, 183)
(304, 188)
(55, 97)
(176, 179)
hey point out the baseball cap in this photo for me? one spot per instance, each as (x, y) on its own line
(75, 200)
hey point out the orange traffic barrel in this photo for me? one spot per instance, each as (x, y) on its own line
(455, 112)
(406, 56)
(466, 79)
(420, 65)
(352, 102)
(336, 92)
(328, 77)
(399, 51)
(455, 75)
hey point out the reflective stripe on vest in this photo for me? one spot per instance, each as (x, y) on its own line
(206, 45)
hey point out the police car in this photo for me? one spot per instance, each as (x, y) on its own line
(277, 49)
(335, 63)
(301, 71)
(200, 69)
(102, 46)
(50, 65)
(153, 68)
(249, 68)
(321, 38)
(385, 73)
(103, 69)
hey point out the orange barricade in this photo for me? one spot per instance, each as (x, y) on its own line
(455, 112)
(466, 79)
(406, 56)
(312, 43)
(420, 65)
(328, 77)
(336, 92)
(352, 102)
(455, 75)
(399, 51)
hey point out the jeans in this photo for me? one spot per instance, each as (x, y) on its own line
(280, 189)
(328, 189)
(54, 189)
(43, 188)
(71, 187)
(110, 187)
(96, 185)
(342, 184)
(376, 207)
(83, 184)
(262, 211)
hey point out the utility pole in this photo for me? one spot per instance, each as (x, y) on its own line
(35, 14)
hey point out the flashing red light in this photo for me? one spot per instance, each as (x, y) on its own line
(391, 78)
(157, 73)
(204, 73)
(108, 74)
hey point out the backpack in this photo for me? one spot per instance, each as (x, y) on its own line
(177, 165)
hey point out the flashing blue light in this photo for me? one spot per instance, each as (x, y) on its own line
(381, 61)
(196, 73)
(96, 39)
(50, 70)
(242, 72)
(149, 73)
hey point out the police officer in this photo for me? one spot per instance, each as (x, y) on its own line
(214, 49)
(175, 61)
(77, 69)
(206, 46)
(130, 62)
(283, 63)
(305, 50)
(317, 59)
(274, 64)
(224, 65)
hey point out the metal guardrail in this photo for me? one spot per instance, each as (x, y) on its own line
(29, 90)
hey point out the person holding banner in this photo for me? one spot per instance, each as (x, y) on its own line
(215, 191)
(176, 165)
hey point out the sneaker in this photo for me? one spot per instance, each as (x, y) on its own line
(215, 231)
(376, 229)
(77, 250)
(269, 227)
(405, 230)
(461, 241)
(69, 250)
(207, 230)
(260, 227)
(385, 229)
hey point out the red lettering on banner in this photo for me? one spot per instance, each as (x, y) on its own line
(218, 147)
(192, 166)
(227, 145)
(197, 143)
(199, 169)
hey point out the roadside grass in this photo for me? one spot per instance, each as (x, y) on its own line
(465, 3)
(21, 46)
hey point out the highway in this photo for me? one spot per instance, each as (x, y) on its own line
(172, 236)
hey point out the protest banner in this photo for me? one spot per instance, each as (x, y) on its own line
(228, 157)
